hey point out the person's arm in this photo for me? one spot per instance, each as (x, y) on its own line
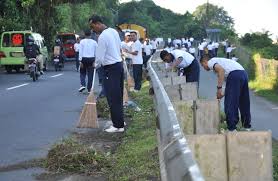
(175, 63)
(221, 77)
(80, 52)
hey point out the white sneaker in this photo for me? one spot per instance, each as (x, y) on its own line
(112, 129)
(81, 89)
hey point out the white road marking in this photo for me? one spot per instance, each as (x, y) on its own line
(275, 108)
(56, 75)
(11, 88)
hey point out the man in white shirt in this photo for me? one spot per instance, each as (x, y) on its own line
(192, 51)
(137, 60)
(229, 49)
(185, 62)
(87, 52)
(201, 50)
(154, 46)
(236, 91)
(126, 45)
(148, 51)
(216, 46)
(76, 50)
(210, 50)
(109, 56)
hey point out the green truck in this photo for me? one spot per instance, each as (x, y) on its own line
(11, 49)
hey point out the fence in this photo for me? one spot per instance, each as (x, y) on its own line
(187, 134)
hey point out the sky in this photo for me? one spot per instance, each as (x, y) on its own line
(249, 15)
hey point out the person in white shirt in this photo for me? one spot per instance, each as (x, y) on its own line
(87, 52)
(216, 46)
(137, 60)
(210, 49)
(126, 45)
(185, 62)
(236, 91)
(109, 56)
(154, 46)
(201, 50)
(148, 51)
(76, 50)
(192, 51)
(229, 49)
(191, 39)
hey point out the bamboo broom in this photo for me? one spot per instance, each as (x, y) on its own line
(88, 117)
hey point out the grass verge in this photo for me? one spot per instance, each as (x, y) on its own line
(137, 157)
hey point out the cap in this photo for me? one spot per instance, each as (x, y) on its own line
(127, 34)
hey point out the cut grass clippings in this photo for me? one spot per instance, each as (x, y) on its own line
(70, 156)
(137, 157)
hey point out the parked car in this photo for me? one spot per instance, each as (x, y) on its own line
(11, 49)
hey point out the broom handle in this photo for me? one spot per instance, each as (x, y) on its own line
(94, 77)
(127, 71)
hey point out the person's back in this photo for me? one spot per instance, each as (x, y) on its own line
(31, 51)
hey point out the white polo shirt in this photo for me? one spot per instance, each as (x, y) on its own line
(109, 47)
(154, 44)
(126, 46)
(137, 46)
(200, 47)
(187, 58)
(210, 46)
(227, 64)
(87, 48)
(148, 49)
(191, 50)
(216, 45)
(229, 49)
(76, 47)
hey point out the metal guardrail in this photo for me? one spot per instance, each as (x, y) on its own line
(177, 162)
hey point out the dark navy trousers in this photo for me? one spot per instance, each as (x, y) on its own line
(137, 76)
(237, 98)
(114, 85)
(192, 72)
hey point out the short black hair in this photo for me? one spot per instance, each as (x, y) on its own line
(204, 57)
(163, 53)
(95, 19)
(134, 32)
(87, 32)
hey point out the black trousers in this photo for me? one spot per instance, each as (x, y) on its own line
(114, 85)
(192, 72)
(137, 75)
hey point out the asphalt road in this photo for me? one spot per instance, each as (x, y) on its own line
(34, 115)
(264, 113)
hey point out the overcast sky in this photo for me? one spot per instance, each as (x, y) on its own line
(249, 15)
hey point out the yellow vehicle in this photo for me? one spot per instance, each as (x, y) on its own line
(131, 27)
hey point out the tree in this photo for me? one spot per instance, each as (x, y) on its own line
(211, 15)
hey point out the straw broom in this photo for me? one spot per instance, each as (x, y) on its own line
(88, 117)
(130, 81)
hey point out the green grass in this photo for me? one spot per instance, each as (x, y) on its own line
(137, 157)
(275, 159)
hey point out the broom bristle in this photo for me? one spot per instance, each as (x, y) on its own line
(125, 98)
(130, 82)
(88, 117)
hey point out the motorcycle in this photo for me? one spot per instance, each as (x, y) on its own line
(33, 69)
(57, 63)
